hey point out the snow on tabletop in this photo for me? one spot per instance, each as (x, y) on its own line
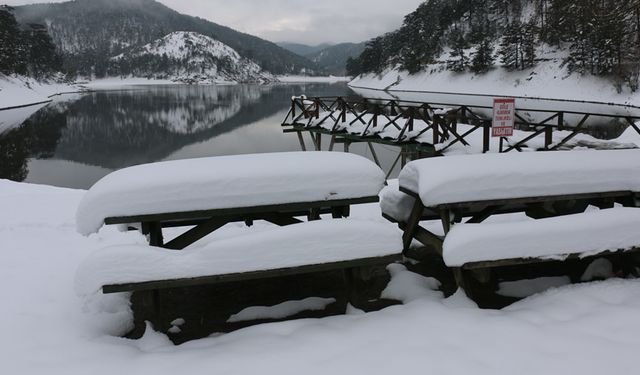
(228, 182)
(309, 243)
(553, 238)
(467, 178)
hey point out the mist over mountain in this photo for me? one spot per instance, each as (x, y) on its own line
(330, 59)
(88, 33)
(303, 49)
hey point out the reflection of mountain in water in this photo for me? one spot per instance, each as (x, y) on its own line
(120, 129)
(34, 138)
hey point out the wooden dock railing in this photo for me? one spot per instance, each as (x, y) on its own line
(431, 128)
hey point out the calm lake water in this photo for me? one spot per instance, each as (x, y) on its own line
(80, 138)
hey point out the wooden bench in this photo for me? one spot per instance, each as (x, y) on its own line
(208, 193)
(471, 189)
(340, 261)
(477, 246)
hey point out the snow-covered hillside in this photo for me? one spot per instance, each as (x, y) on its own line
(189, 57)
(19, 91)
(549, 79)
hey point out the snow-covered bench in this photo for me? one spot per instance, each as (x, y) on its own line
(159, 277)
(210, 192)
(471, 247)
(541, 184)
(471, 189)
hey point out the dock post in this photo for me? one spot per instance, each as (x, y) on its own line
(486, 137)
(548, 137)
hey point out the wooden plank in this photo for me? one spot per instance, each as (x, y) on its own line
(374, 154)
(196, 233)
(153, 230)
(536, 199)
(486, 138)
(575, 132)
(525, 261)
(265, 274)
(301, 140)
(276, 208)
(412, 224)
(530, 137)
(429, 239)
(483, 215)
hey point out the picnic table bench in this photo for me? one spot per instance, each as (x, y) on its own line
(472, 189)
(332, 262)
(208, 193)
(258, 269)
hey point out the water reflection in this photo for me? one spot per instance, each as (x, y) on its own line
(76, 142)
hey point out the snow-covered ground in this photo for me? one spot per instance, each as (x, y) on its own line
(548, 80)
(22, 91)
(587, 329)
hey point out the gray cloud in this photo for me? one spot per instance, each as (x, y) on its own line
(302, 21)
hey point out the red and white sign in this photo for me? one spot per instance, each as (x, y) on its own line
(504, 114)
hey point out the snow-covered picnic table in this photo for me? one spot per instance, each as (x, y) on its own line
(292, 260)
(473, 188)
(211, 192)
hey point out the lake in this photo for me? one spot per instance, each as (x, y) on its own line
(80, 138)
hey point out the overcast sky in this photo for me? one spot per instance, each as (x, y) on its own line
(303, 21)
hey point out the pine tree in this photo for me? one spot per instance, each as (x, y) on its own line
(41, 52)
(12, 59)
(529, 44)
(482, 60)
(511, 53)
(458, 60)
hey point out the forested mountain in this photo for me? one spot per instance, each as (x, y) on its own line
(89, 32)
(303, 49)
(329, 59)
(25, 49)
(597, 37)
(333, 60)
(187, 57)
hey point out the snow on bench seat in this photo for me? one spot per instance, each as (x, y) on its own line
(228, 182)
(396, 204)
(312, 243)
(472, 178)
(585, 234)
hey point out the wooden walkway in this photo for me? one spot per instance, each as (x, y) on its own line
(430, 129)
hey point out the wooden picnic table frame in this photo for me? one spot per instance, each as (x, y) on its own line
(205, 222)
(478, 211)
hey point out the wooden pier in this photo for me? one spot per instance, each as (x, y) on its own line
(421, 129)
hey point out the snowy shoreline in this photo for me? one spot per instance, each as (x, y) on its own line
(21, 92)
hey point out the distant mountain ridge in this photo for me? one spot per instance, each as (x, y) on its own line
(331, 59)
(303, 49)
(90, 32)
(188, 57)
